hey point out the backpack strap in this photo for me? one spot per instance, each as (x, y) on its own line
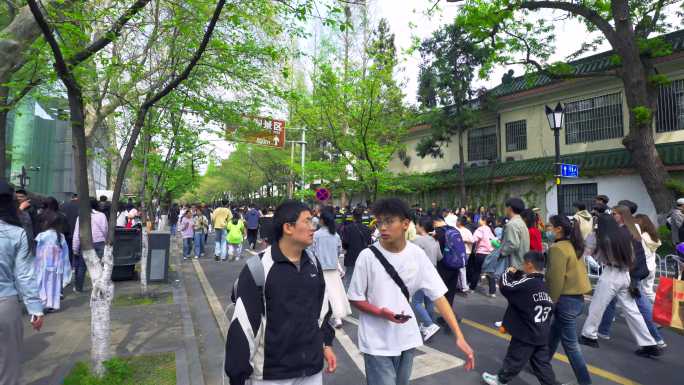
(391, 271)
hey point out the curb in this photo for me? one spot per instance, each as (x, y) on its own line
(188, 365)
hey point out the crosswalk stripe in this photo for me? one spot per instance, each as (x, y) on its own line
(433, 361)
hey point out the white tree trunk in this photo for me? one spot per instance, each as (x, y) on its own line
(143, 261)
(100, 271)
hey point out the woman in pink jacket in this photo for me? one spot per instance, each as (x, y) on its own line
(482, 243)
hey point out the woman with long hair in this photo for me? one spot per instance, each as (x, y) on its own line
(615, 251)
(327, 247)
(567, 280)
(16, 281)
(530, 219)
(651, 241)
(639, 272)
(52, 266)
(482, 239)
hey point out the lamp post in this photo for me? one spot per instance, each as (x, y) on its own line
(555, 118)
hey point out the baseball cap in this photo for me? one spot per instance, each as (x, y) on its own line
(6, 188)
(680, 202)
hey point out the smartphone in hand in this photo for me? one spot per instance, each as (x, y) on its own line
(402, 317)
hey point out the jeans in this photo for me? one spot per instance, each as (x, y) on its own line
(252, 237)
(199, 243)
(614, 283)
(564, 331)
(423, 307)
(187, 247)
(381, 370)
(220, 243)
(173, 227)
(348, 273)
(645, 308)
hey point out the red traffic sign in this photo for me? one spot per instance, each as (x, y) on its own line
(322, 194)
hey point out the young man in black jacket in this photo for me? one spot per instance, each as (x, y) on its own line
(288, 341)
(528, 321)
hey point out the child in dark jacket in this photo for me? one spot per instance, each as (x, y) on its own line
(528, 321)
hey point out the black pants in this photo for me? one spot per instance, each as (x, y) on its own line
(252, 237)
(450, 278)
(475, 271)
(519, 354)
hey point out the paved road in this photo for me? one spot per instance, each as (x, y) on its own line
(439, 362)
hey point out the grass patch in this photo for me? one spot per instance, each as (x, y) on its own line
(139, 299)
(153, 369)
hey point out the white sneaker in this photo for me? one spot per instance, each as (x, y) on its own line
(422, 330)
(603, 336)
(338, 323)
(490, 379)
(430, 331)
(661, 344)
(237, 258)
(498, 324)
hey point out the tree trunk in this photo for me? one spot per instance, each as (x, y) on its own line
(640, 93)
(4, 98)
(461, 169)
(143, 215)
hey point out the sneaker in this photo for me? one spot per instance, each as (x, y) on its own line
(491, 295)
(593, 343)
(649, 351)
(490, 379)
(422, 330)
(430, 331)
(661, 344)
(237, 258)
(498, 324)
(603, 336)
(216, 258)
(196, 256)
(338, 323)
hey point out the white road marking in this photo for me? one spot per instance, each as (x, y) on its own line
(214, 303)
(431, 362)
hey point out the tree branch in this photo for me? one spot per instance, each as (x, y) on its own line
(109, 35)
(577, 9)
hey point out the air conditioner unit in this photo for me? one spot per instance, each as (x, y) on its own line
(478, 163)
(514, 157)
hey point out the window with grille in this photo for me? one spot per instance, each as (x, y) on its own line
(583, 192)
(670, 113)
(482, 143)
(516, 135)
(594, 119)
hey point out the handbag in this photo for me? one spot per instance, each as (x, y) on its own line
(668, 309)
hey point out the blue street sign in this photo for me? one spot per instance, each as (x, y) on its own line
(569, 170)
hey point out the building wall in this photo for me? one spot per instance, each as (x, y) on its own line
(617, 188)
(529, 106)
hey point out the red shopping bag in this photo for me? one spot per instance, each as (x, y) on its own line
(662, 308)
(668, 309)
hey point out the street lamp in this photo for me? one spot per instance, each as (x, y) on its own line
(555, 118)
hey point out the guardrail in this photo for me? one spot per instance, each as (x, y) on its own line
(666, 266)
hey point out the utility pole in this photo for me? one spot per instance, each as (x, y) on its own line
(301, 142)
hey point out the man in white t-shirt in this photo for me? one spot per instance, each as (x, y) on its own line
(388, 332)
(467, 237)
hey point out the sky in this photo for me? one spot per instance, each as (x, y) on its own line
(401, 13)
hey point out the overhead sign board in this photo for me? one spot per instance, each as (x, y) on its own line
(569, 170)
(258, 130)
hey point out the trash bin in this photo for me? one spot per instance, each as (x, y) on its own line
(158, 256)
(127, 252)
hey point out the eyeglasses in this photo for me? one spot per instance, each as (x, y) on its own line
(307, 221)
(385, 222)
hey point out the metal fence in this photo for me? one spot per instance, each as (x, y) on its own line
(666, 266)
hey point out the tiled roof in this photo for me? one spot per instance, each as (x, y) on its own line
(590, 163)
(594, 63)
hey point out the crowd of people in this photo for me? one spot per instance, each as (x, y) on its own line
(40, 256)
(399, 266)
(402, 267)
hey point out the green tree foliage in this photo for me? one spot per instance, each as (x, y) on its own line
(516, 32)
(355, 116)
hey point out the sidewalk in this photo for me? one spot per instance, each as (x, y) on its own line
(140, 329)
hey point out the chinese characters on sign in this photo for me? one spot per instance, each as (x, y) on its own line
(569, 170)
(269, 132)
